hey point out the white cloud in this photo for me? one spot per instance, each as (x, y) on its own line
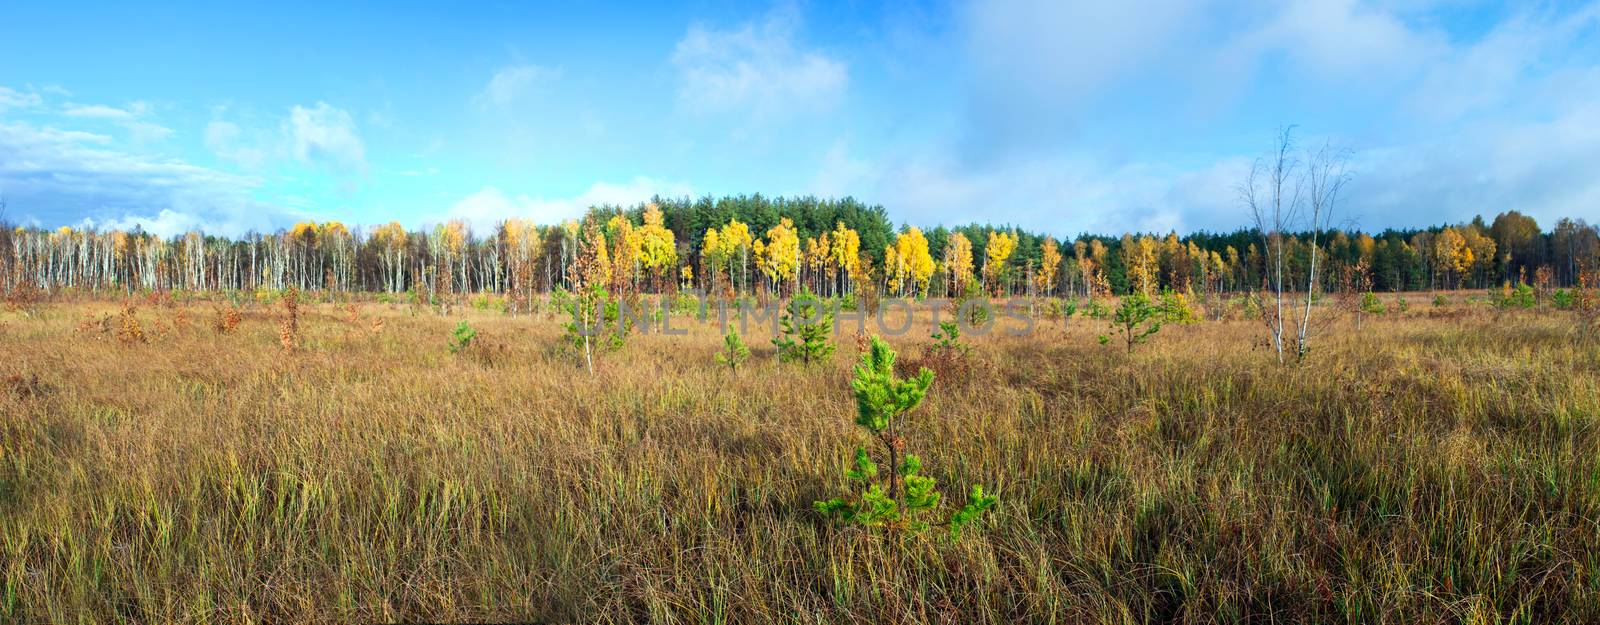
(756, 69)
(13, 99)
(133, 118)
(54, 176)
(326, 136)
(490, 205)
(1348, 39)
(513, 83)
(98, 111)
(225, 139)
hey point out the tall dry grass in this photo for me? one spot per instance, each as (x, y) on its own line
(1435, 467)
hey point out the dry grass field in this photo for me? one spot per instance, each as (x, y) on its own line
(1438, 466)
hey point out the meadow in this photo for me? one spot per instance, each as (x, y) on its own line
(1438, 465)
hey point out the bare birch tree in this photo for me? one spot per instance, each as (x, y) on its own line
(1284, 193)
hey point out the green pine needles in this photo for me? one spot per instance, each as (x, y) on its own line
(906, 498)
(805, 327)
(1136, 318)
(734, 351)
(461, 337)
(948, 338)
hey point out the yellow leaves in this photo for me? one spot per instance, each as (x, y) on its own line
(518, 233)
(711, 248)
(846, 250)
(451, 235)
(624, 241)
(1451, 252)
(1482, 247)
(908, 260)
(759, 251)
(391, 235)
(996, 252)
(1366, 247)
(333, 230)
(653, 216)
(958, 260)
(304, 232)
(782, 254)
(1139, 256)
(658, 248)
(594, 261)
(817, 252)
(1049, 264)
(735, 236)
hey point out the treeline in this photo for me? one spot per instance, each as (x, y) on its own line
(755, 244)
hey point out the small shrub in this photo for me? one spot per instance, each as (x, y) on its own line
(128, 329)
(1562, 299)
(734, 351)
(805, 326)
(1135, 319)
(948, 356)
(594, 322)
(906, 498)
(1586, 302)
(1441, 300)
(1370, 304)
(461, 337)
(1176, 308)
(976, 315)
(289, 327)
(1098, 310)
(226, 320)
(948, 337)
(1055, 308)
(24, 298)
(1521, 296)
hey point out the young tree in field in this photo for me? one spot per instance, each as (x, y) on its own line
(1283, 194)
(461, 337)
(1355, 292)
(1136, 319)
(805, 326)
(734, 351)
(905, 498)
(590, 303)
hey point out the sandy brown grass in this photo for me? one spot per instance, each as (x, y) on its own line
(1431, 468)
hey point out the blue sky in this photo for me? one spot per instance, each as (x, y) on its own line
(1058, 116)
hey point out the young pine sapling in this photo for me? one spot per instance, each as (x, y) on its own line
(461, 337)
(1135, 318)
(906, 498)
(805, 326)
(734, 351)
